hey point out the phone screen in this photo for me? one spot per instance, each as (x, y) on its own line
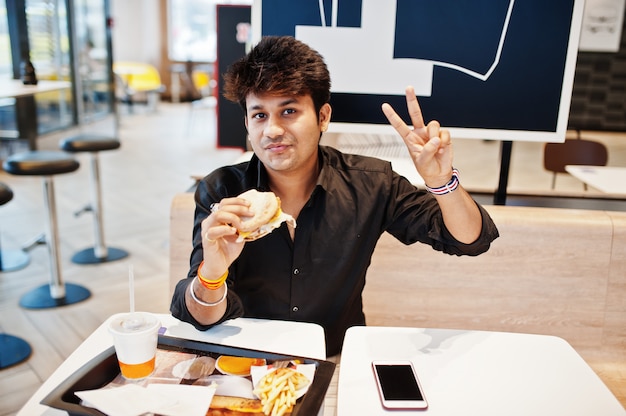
(398, 385)
(398, 382)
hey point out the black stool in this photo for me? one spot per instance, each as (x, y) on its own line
(11, 260)
(46, 164)
(94, 144)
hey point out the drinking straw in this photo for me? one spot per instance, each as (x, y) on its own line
(131, 288)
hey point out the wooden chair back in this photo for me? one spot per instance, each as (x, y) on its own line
(573, 152)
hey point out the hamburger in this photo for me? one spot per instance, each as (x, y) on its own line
(267, 215)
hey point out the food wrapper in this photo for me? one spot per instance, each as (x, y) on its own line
(257, 373)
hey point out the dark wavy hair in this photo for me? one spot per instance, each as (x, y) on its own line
(279, 65)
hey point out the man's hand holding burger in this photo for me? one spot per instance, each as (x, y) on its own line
(219, 236)
(207, 292)
(234, 221)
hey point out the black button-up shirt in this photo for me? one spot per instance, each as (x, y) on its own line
(319, 276)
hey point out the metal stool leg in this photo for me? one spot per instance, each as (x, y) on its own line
(100, 249)
(57, 293)
(99, 253)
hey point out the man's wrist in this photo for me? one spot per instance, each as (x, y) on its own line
(211, 283)
(448, 187)
(196, 299)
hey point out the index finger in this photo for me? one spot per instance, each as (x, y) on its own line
(230, 210)
(396, 121)
(234, 204)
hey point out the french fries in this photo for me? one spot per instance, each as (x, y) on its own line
(277, 390)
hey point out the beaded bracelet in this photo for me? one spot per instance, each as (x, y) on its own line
(207, 304)
(211, 284)
(447, 188)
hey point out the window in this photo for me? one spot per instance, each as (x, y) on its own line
(92, 56)
(6, 69)
(8, 127)
(48, 38)
(192, 32)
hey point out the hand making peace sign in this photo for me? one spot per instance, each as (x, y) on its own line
(429, 145)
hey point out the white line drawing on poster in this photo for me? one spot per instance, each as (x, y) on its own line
(370, 41)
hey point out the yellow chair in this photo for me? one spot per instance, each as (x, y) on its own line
(139, 78)
(202, 81)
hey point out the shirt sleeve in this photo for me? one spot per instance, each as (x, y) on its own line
(178, 307)
(416, 217)
(448, 244)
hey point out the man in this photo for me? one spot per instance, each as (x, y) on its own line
(342, 203)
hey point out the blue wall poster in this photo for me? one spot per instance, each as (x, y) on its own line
(486, 69)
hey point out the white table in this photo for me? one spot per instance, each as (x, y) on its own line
(474, 373)
(25, 107)
(608, 179)
(14, 88)
(283, 337)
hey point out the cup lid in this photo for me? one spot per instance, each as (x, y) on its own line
(130, 323)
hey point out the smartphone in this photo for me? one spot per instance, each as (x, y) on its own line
(398, 385)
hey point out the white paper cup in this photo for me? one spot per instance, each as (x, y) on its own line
(135, 336)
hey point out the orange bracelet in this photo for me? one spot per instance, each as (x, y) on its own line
(211, 284)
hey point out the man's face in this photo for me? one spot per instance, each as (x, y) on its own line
(284, 131)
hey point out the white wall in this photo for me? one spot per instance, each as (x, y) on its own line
(136, 32)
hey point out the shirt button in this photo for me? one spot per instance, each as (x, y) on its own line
(295, 309)
(296, 271)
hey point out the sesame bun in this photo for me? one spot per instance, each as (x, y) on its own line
(267, 215)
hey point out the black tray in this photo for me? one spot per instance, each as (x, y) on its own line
(102, 369)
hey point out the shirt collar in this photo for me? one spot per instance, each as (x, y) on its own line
(256, 174)
(324, 181)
